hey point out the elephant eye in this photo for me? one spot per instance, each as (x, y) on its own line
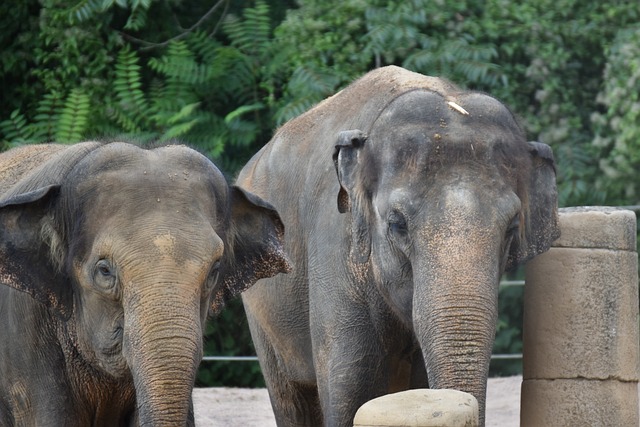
(213, 277)
(104, 268)
(397, 224)
(514, 226)
(104, 274)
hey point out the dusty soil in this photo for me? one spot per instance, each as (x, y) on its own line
(241, 407)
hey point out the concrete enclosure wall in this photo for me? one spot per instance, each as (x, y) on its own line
(581, 356)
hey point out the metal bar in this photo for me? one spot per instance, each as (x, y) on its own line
(631, 207)
(230, 359)
(512, 283)
(506, 356)
(255, 358)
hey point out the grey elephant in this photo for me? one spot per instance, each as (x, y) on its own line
(404, 198)
(111, 258)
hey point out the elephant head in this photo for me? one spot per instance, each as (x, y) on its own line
(130, 250)
(444, 194)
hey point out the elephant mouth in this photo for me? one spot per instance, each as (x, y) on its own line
(116, 336)
(111, 358)
(115, 346)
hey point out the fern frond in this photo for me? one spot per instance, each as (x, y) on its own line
(209, 134)
(306, 87)
(185, 113)
(178, 60)
(124, 120)
(252, 33)
(204, 47)
(234, 63)
(128, 86)
(72, 122)
(137, 19)
(294, 108)
(15, 129)
(177, 131)
(85, 10)
(181, 63)
(235, 114)
(314, 80)
(242, 132)
(46, 118)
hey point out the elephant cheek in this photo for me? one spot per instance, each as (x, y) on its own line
(163, 346)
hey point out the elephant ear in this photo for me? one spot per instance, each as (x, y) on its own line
(25, 261)
(255, 248)
(347, 158)
(541, 217)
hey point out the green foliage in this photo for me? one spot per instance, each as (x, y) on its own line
(215, 96)
(617, 128)
(55, 119)
(552, 53)
(420, 35)
(423, 36)
(47, 117)
(15, 128)
(87, 9)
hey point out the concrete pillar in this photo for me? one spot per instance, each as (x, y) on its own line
(580, 358)
(420, 408)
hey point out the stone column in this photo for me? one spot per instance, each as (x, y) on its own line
(580, 358)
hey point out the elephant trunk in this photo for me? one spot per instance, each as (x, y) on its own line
(163, 347)
(455, 313)
(456, 347)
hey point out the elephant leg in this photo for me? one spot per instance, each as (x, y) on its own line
(350, 384)
(352, 369)
(419, 377)
(400, 374)
(295, 402)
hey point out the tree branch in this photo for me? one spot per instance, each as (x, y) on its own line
(150, 45)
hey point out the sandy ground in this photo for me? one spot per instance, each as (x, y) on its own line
(241, 407)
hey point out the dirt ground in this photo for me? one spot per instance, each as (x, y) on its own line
(241, 407)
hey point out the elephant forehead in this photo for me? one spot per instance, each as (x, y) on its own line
(177, 196)
(165, 243)
(191, 248)
(461, 126)
(464, 108)
(164, 174)
(170, 245)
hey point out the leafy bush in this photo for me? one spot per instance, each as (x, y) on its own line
(215, 96)
(617, 128)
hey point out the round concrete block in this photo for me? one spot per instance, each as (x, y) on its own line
(579, 402)
(597, 227)
(420, 408)
(581, 315)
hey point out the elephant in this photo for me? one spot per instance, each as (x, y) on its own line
(405, 198)
(112, 256)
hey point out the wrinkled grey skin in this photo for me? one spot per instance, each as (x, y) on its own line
(111, 258)
(404, 200)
